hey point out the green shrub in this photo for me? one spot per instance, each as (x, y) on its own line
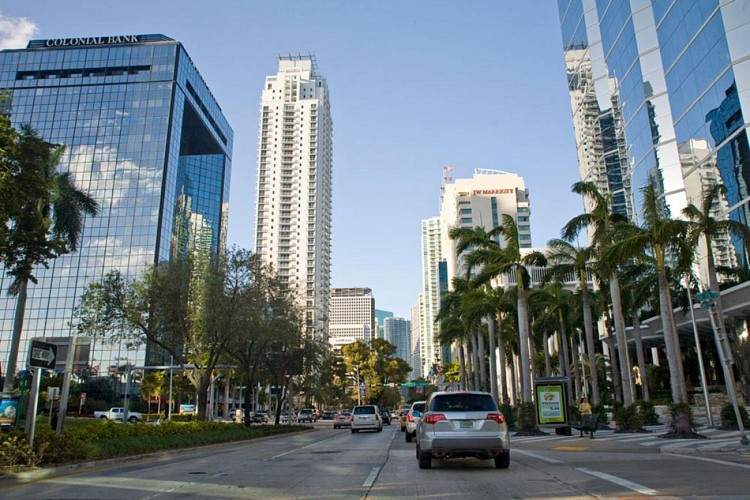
(647, 413)
(15, 452)
(729, 419)
(628, 418)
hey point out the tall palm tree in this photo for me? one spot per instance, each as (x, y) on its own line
(567, 259)
(452, 328)
(499, 261)
(47, 222)
(662, 236)
(603, 226)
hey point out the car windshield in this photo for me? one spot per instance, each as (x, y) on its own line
(364, 410)
(463, 402)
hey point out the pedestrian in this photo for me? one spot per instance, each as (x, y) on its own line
(584, 407)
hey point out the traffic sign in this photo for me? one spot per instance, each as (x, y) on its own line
(42, 355)
(708, 295)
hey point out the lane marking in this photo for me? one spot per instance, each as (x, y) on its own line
(706, 459)
(570, 448)
(371, 478)
(643, 490)
(301, 448)
(535, 455)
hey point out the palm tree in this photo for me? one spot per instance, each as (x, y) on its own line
(603, 224)
(567, 259)
(496, 262)
(640, 289)
(451, 327)
(47, 222)
(662, 236)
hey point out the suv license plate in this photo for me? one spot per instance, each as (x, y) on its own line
(467, 424)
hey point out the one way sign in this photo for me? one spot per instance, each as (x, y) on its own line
(42, 355)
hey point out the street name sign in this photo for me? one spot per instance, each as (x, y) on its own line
(708, 295)
(42, 355)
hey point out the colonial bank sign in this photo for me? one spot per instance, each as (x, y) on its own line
(94, 41)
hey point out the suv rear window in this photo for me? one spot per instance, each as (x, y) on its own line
(364, 410)
(463, 402)
(418, 407)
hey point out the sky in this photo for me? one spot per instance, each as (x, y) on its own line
(415, 86)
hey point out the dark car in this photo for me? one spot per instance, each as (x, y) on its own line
(386, 415)
(328, 415)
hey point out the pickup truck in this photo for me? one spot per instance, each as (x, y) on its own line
(117, 414)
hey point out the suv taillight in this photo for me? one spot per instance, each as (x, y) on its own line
(496, 417)
(433, 418)
(410, 417)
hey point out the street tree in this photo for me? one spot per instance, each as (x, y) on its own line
(43, 221)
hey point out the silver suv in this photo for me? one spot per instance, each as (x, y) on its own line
(462, 424)
(366, 417)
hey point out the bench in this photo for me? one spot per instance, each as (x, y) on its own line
(588, 423)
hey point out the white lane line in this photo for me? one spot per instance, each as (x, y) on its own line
(706, 459)
(298, 449)
(643, 490)
(371, 478)
(537, 456)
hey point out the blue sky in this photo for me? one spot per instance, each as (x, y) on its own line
(415, 86)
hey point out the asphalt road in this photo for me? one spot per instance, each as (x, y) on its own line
(327, 463)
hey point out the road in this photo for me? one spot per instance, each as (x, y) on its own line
(327, 464)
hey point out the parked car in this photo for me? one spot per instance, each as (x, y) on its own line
(236, 414)
(366, 417)
(259, 417)
(117, 414)
(306, 416)
(413, 416)
(343, 419)
(385, 415)
(462, 424)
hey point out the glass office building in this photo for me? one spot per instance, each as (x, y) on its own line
(146, 139)
(671, 79)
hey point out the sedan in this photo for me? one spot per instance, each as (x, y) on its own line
(343, 419)
(462, 424)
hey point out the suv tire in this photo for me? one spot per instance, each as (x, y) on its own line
(425, 460)
(354, 431)
(502, 461)
(408, 437)
(380, 429)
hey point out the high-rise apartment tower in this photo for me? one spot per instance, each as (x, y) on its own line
(293, 199)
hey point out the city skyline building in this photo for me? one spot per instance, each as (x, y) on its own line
(294, 183)
(351, 316)
(398, 333)
(429, 298)
(380, 317)
(416, 339)
(676, 78)
(146, 139)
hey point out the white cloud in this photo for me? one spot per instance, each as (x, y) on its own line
(15, 32)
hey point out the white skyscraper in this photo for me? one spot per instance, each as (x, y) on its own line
(432, 255)
(293, 199)
(416, 354)
(351, 316)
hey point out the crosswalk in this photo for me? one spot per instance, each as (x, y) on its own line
(716, 440)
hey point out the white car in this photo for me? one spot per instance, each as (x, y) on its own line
(413, 418)
(366, 417)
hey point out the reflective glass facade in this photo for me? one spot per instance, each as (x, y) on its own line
(677, 73)
(146, 139)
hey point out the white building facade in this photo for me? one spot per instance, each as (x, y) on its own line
(293, 198)
(429, 300)
(416, 355)
(351, 316)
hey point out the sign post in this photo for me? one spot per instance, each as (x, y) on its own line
(42, 355)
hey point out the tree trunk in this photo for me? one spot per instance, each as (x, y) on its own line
(523, 344)
(482, 359)
(513, 380)
(615, 366)
(588, 329)
(626, 374)
(203, 385)
(474, 362)
(503, 360)
(462, 366)
(639, 354)
(545, 348)
(492, 357)
(674, 353)
(10, 367)
(575, 363)
(565, 365)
